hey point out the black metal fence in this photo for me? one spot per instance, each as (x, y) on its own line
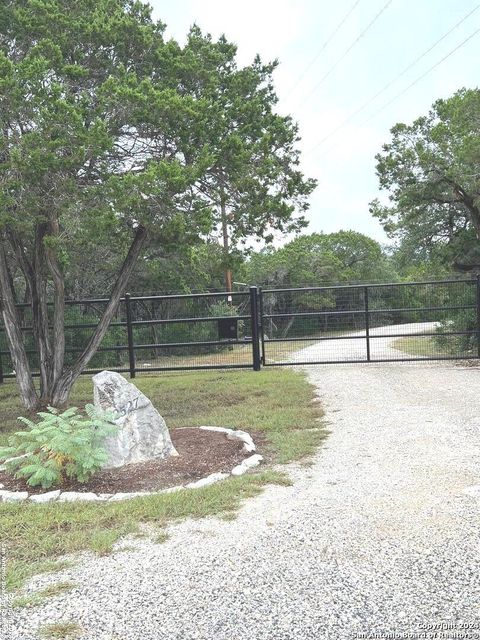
(273, 327)
(156, 333)
(371, 323)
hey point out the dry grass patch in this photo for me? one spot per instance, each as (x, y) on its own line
(61, 631)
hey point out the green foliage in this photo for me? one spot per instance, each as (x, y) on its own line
(75, 338)
(111, 133)
(61, 445)
(317, 259)
(107, 125)
(184, 332)
(183, 268)
(430, 171)
(277, 403)
(462, 322)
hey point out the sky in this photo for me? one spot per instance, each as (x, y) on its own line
(329, 70)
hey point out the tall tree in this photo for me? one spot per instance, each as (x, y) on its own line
(431, 171)
(108, 136)
(254, 185)
(317, 260)
(91, 136)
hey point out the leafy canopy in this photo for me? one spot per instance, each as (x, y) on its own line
(431, 171)
(317, 258)
(107, 126)
(93, 122)
(114, 137)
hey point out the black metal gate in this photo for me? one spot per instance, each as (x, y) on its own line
(371, 323)
(272, 327)
(156, 333)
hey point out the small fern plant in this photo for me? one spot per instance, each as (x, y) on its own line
(59, 446)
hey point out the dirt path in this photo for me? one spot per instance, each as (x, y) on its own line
(380, 534)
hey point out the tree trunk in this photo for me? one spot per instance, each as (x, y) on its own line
(34, 275)
(63, 385)
(13, 331)
(226, 244)
(470, 202)
(58, 356)
(40, 312)
(287, 328)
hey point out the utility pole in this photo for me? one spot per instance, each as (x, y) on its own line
(226, 244)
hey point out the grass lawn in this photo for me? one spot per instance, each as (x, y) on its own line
(275, 402)
(417, 346)
(428, 347)
(237, 354)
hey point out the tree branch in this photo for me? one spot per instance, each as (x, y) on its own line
(64, 384)
(13, 331)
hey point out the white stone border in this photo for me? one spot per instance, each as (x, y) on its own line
(76, 496)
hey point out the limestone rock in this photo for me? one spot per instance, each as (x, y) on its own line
(142, 433)
(77, 496)
(248, 463)
(239, 470)
(205, 482)
(218, 429)
(172, 489)
(127, 496)
(243, 436)
(50, 496)
(253, 461)
(238, 434)
(13, 496)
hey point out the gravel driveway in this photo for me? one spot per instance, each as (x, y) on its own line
(378, 535)
(355, 348)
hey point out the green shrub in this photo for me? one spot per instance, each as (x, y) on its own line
(459, 345)
(181, 332)
(60, 446)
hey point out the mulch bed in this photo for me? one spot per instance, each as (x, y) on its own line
(200, 454)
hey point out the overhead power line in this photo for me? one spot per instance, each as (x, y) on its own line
(323, 47)
(394, 80)
(346, 52)
(417, 80)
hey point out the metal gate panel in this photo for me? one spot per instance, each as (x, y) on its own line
(436, 320)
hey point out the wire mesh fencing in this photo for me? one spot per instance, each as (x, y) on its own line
(371, 323)
(311, 325)
(81, 319)
(152, 333)
(195, 331)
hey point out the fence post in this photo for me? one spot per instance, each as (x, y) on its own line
(478, 314)
(131, 347)
(367, 322)
(255, 333)
(1, 369)
(262, 332)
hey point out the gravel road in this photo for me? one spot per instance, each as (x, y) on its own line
(380, 534)
(355, 348)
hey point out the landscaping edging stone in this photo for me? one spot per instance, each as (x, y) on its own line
(232, 434)
(77, 496)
